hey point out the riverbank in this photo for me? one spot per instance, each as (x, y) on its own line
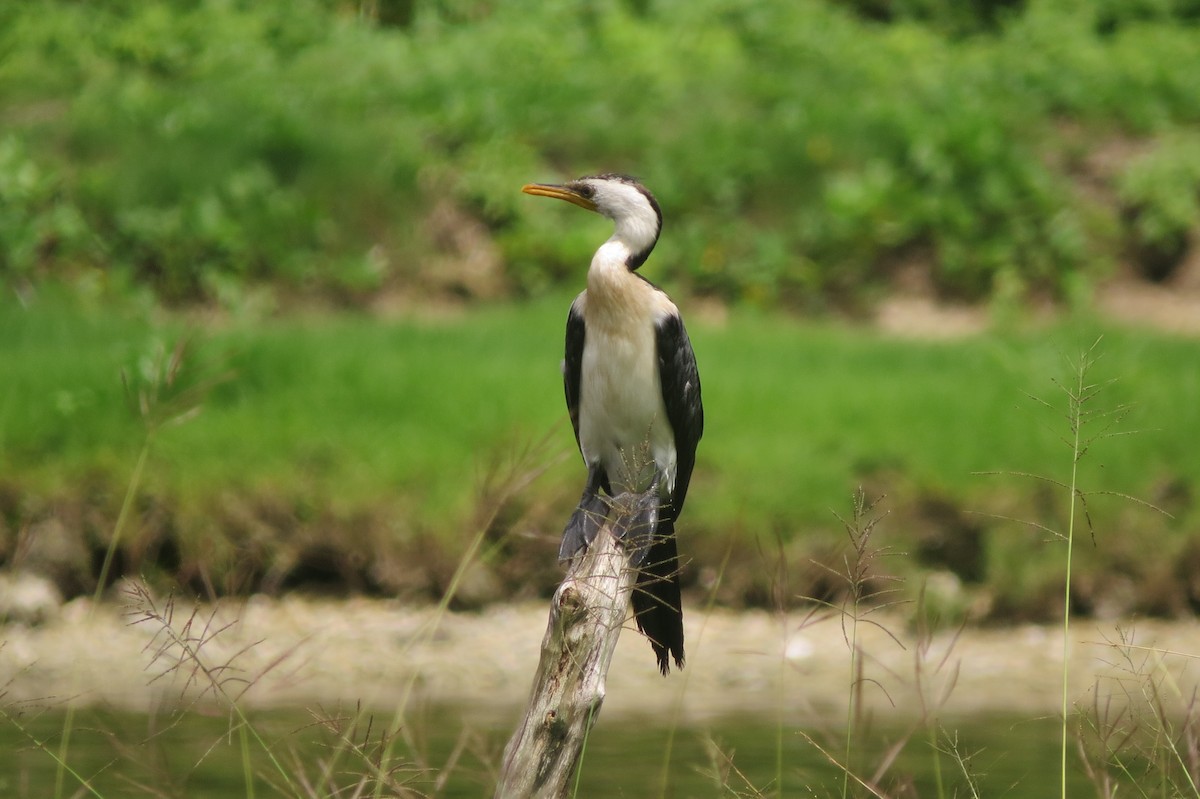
(305, 652)
(349, 455)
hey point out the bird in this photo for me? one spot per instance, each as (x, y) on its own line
(632, 389)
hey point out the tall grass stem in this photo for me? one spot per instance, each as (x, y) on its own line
(135, 482)
(1066, 641)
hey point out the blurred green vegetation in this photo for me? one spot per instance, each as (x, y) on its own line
(159, 160)
(802, 151)
(343, 451)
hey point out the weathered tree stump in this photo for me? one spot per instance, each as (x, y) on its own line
(586, 616)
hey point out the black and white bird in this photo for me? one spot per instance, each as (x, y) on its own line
(633, 393)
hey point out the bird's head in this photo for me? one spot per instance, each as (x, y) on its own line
(629, 204)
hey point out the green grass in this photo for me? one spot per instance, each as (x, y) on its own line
(366, 408)
(906, 412)
(336, 413)
(800, 413)
(195, 755)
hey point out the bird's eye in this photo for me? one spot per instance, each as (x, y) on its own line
(585, 189)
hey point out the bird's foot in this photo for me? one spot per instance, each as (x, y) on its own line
(583, 525)
(636, 522)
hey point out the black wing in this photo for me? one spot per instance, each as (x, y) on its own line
(572, 366)
(681, 395)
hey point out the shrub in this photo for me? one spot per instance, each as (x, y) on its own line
(798, 149)
(1160, 194)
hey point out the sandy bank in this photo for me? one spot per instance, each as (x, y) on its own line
(304, 652)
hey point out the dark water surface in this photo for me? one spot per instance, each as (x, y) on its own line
(195, 755)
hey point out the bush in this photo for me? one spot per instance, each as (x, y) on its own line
(799, 150)
(1160, 194)
(38, 225)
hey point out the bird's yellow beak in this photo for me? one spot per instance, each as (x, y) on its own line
(559, 193)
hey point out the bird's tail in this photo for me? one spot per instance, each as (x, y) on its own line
(656, 601)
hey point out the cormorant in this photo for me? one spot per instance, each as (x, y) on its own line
(633, 393)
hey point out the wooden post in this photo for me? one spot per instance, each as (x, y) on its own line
(586, 616)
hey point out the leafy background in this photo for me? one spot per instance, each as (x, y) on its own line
(323, 197)
(804, 151)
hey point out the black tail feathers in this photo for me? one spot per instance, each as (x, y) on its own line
(656, 600)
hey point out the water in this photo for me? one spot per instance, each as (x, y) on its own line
(441, 753)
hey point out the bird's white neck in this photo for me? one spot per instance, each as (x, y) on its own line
(617, 299)
(609, 274)
(638, 232)
(625, 249)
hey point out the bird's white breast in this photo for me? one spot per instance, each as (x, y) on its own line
(622, 419)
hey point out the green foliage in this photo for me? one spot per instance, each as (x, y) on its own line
(952, 16)
(37, 224)
(800, 150)
(1111, 15)
(378, 438)
(213, 143)
(1160, 191)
